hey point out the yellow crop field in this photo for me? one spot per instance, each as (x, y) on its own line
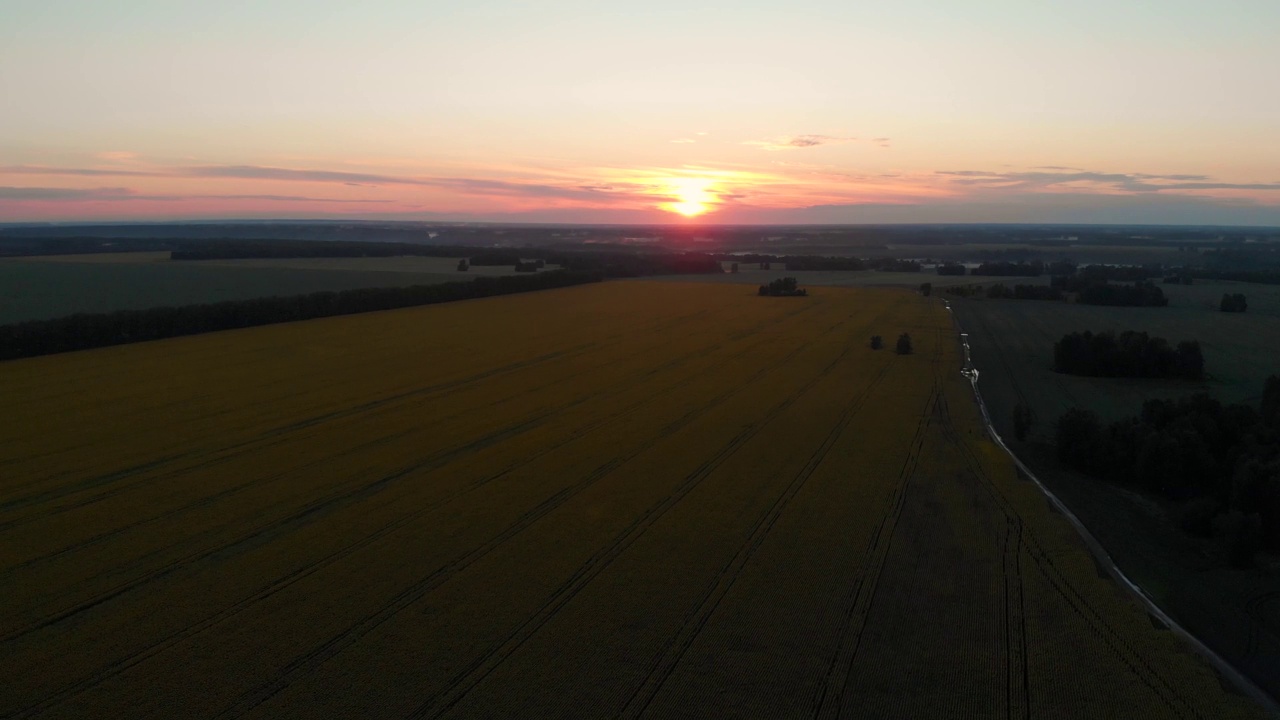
(628, 499)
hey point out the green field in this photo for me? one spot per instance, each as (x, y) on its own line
(616, 500)
(1237, 612)
(43, 288)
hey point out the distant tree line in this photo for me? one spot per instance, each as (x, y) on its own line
(1233, 303)
(1100, 292)
(1024, 269)
(951, 269)
(83, 331)
(802, 263)
(619, 264)
(266, 249)
(1223, 460)
(783, 287)
(1024, 292)
(892, 265)
(1131, 354)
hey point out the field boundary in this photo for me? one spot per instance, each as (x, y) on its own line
(1239, 680)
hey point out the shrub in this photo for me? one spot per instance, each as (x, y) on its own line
(877, 342)
(904, 344)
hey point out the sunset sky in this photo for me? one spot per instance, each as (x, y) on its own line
(663, 111)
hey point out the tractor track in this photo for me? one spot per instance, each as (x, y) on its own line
(670, 655)
(479, 668)
(283, 583)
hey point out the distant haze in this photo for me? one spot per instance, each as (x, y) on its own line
(726, 112)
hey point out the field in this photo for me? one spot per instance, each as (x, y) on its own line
(1014, 340)
(40, 288)
(624, 499)
(1238, 613)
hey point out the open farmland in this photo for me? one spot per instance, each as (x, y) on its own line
(1236, 612)
(44, 287)
(623, 499)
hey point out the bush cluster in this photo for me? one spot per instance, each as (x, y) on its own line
(783, 287)
(1224, 460)
(1131, 354)
(1234, 303)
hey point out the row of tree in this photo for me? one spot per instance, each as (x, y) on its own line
(1001, 291)
(783, 287)
(1225, 459)
(1140, 294)
(80, 332)
(1234, 303)
(1131, 354)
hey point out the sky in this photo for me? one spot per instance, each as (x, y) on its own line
(840, 111)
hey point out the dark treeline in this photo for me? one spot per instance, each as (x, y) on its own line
(893, 265)
(1131, 354)
(1143, 294)
(1023, 269)
(495, 258)
(254, 249)
(783, 287)
(1118, 273)
(1224, 459)
(1093, 292)
(802, 263)
(1000, 291)
(1233, 303)
(619, 264)
(951, 269)
(80, 332)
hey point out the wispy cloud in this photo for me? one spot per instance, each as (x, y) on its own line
(794, 142)
(63, 194)
(259, 172)
(1095, 181)
(118, 194)
(76, 172)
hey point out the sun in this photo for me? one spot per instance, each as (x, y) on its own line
(694, 196)
(689, 208)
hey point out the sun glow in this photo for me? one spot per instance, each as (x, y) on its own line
(694, 196)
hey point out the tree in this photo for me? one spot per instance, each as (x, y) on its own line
(733, 268)
(876, 342)
(1233, 303)
(926, 289)
(1023, 419)
(904, 344)
(783, 287)
(463, 266)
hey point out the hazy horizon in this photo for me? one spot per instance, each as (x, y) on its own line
(743, 113)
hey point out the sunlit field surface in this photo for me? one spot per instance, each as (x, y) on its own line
(625, 499)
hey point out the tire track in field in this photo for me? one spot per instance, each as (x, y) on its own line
(283, 583)
(828, 698)
(478, 669)
(331, 648)
(259, 482)
(1074, 600)
(668, 658)
(306, 514)
(1013, 586)
(249, 445)
(1043, 560)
